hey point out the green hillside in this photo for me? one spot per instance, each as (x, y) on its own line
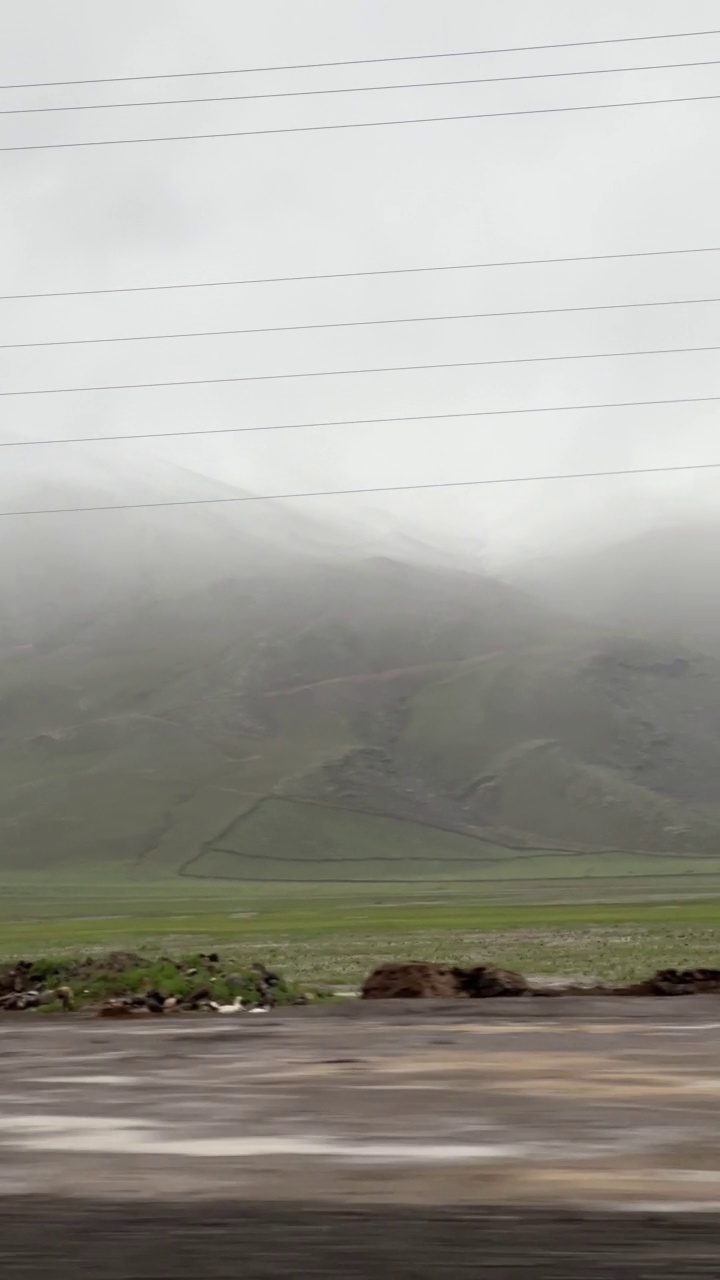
(442, 725)
(319, 845)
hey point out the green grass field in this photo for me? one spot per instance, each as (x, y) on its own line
(280, 840)
(334, 934)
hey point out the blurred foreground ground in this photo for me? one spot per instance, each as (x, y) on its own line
(568, 1139)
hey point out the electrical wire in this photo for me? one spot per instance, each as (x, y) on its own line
(356, 422)
(361, 124)
(355, 324)
(356, 275)
(364, 88)
(388, 488)
(343, 373)
(365, 62)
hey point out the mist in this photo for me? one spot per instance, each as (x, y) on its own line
(476, 191)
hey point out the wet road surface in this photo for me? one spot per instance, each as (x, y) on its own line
(573, 1138)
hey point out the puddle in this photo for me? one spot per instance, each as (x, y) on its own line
(662, 1206)
(119, 1081)
(49, 1124)
(659, 1028)
(136, 1137)
(115, 1136)
(399, 1088)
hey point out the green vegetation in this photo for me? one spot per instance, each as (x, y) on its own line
(321, 765)
(420, 708)
(333, 935)
(186, 978)
(324, 843)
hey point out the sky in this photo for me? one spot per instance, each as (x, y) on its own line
(472, 191)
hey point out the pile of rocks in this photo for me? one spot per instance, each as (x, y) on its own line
(121, 984)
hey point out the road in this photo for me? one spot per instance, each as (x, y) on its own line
(572, 1138)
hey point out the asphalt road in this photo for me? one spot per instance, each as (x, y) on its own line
(567, 1139)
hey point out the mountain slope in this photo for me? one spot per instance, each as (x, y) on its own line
(151, 700)
(582, 742)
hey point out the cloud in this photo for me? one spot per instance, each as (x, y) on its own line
(537, 186)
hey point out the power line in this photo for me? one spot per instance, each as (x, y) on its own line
(364, 88)
(362, 124)
(343, 373)
(365, 62)
(356, 324)
(343, 493)
(355, 422)
(355, 275)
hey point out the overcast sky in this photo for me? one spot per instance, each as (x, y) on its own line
(470, 191)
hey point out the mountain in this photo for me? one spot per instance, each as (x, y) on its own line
(241, 690)
(661, 585)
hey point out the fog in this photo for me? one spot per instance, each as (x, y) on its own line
(535, 186)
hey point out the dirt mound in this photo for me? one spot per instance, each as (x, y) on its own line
(421, 980)
(676, 982)
(485, 981)
(414, 980)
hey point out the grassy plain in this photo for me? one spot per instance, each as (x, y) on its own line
(613, 929)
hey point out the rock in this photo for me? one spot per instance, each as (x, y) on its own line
(115, 1009)
(15, 977)
(265, 984)
(197, 999)
(17, 1000)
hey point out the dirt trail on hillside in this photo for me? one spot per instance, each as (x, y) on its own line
(366, 677)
